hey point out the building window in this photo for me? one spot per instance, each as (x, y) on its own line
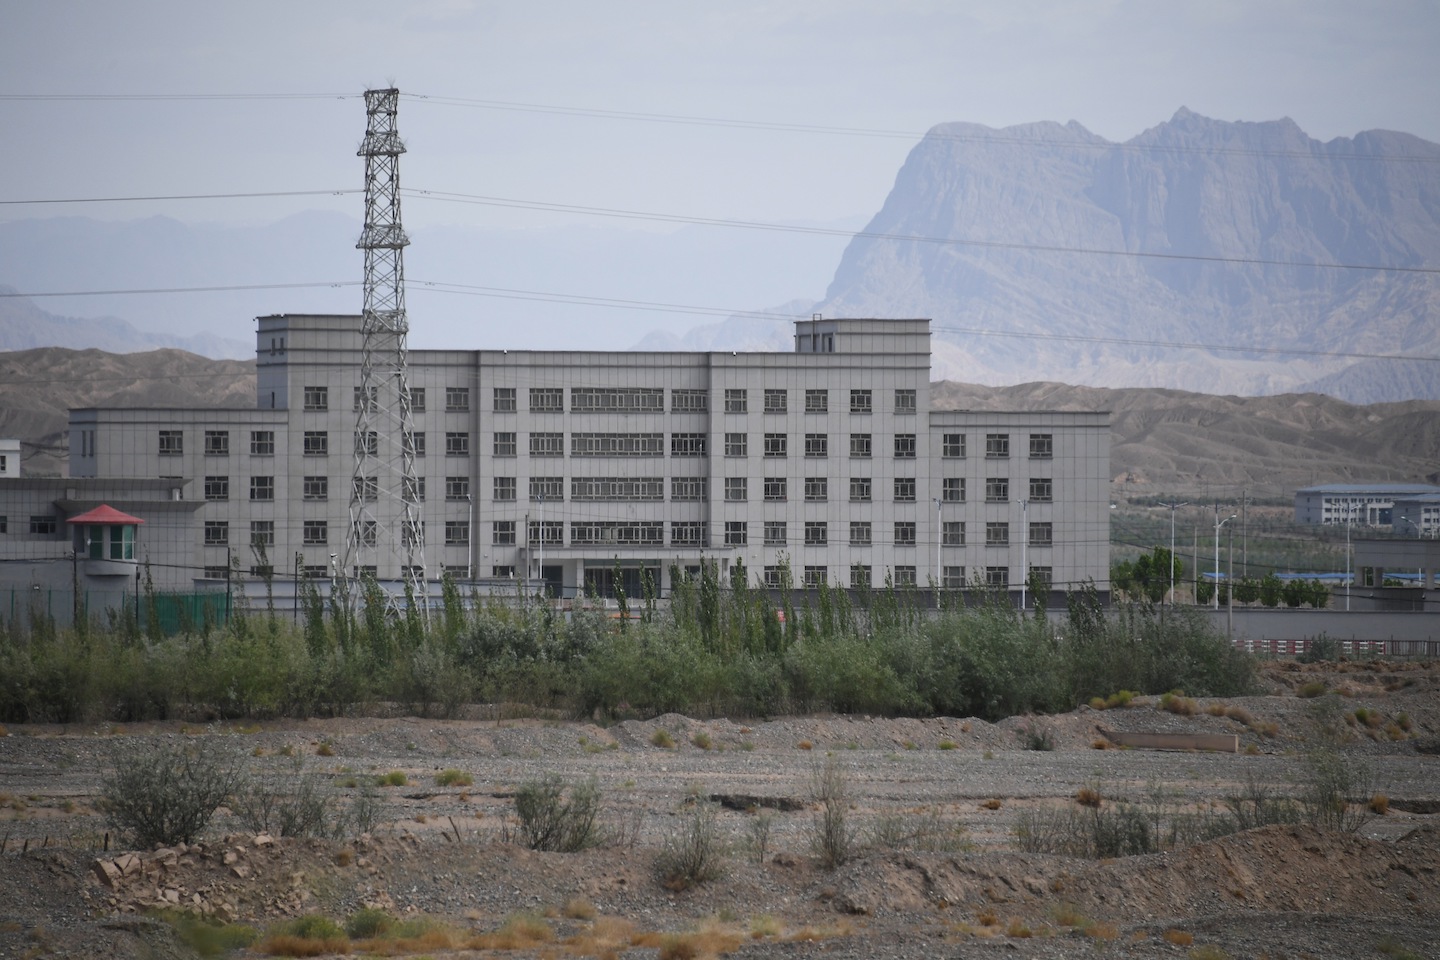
(316, 443)
(504, 489)
(904, 489)
(317, 398)
(504, 444)
(904, 533)
(617, 399)
(1042, 446)
(316, 488)
(217, 533)
(997, 534)
(414, 489)
(952, 533)
(504, 399)
(547, 400)
(366, 532)
(776, 445)
(457, 488)
(617, 444)
(457, 444)
(735, 533)
(262, 533)
(366, 444)
(904, 401)
(736, 444)
(547, 488)
(859, 489)
(503, 571)
(370, 397)
(4, 523)
(1042, 490)
(457, 533)
(364, 489)
(457, 399)
(220, 572)
(817, 533)
(262, 570)
(952, 445)
(997, 576)
(736, 401)
(547, 444)
(775, 489)
(217, 488)
(997, 490)
(262, 488)
(817, 401)
(859, 533)
(777, 401)
(816, 489)
(952, 490)
(688, 444)
(417, 399)
(817, 445)
(1041, 534)
(859, 576)
(860, 401)
(997, 446)
(689, 488)
(815, 576)
(547, 532)
(415, 445)
(905, 576)
(775, 533)
(689, 401)
(172, 443)
(860, 445)
(687, 533)
(953, 578)
(771, 578)
(1042, 577)
(627, 532)
(617, 488)
(904, 446)
(502, 533)
(315, 532)
(735, 489)
(217, 443)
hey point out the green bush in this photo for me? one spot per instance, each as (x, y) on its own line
(158, 793)
(551, 820)
(693, 854)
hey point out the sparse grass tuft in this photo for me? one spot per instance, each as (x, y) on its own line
(1379, 804)
(454, 778)
(1178, 938)
(578, 908)
(1177, 703)
(805, 745)
(1100, 743)
(661, 738)
(702, 740)
(992, 804)
(1088, 797)
(326, 749)
(1208, 952)
(395, 778)
(948, 745)
(1017, 930)
(1315, 688)
(1394, 949)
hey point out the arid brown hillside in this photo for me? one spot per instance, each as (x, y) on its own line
(1173, 442)
(39, 387)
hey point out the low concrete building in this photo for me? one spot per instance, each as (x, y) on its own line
(1362, 504)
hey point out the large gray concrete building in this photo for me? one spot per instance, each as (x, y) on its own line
(578, 466)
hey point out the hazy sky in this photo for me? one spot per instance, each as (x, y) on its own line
(1117, 66)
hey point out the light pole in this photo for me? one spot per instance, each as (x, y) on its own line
(540, 561)
(1218, 524)
(470, 543)
(1024, 550)
(939, 539)
(1173, 507)
(1349, 557)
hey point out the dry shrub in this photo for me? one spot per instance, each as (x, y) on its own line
(662, 739)
(992, 804)
(764, 926)
(1240, 715)
(395, 778)
(578, 908)
(1088, 797)
(1379, 804)
(694, 854)
(706, 942)
(1100, 743)
(326, 749)
(519, 931)
(606, 937)
(1102, 931)
(1178, 938)
(1179, 704)
(987, 917)
(1268, 728)
(1216, 709)
(1315, 688)
(1018, 930)
(343, 858)
(290, 945)
(805, 745)
(701, 740)
(454, 778)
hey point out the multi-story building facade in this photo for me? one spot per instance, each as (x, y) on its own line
(573, 466)
(1361, 504)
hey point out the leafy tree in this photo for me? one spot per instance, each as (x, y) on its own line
(1319, 595)
(1295, 592)
(1247, 590)
(1271, 590)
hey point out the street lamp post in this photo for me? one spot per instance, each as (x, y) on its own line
(1024, 550)
(1173, 507)
(939, 539)
(1218, 524)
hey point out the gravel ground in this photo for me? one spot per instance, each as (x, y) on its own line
(442, 851)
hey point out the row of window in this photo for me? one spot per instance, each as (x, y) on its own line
(41, 524)
(317, 533)
(652, 399)
(457, 399)
(775, 533)
(682, 489)
(457, 444)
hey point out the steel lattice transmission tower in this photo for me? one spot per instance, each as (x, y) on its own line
(385, 517)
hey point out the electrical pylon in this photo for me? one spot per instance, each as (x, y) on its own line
(385, 517)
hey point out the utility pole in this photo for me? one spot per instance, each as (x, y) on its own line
(1173, 507)
(939, 539)
(1218, 524)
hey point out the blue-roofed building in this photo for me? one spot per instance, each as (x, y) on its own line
(1364, 504)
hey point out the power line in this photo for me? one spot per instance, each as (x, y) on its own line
(933, 134)
(112, 97)
(188, 196)
(158, 290)
(511, 203)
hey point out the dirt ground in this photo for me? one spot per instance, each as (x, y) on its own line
(445, 852)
